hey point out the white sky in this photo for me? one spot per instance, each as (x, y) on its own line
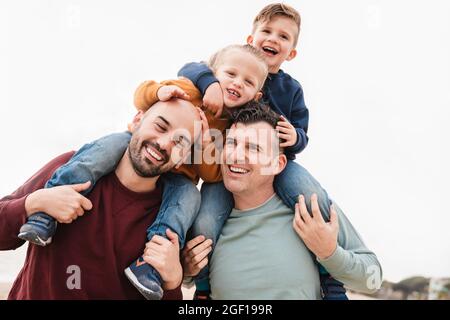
(376, 77)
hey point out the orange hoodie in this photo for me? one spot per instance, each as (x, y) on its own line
(146, 95)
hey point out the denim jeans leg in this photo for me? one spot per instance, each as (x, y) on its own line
(295, 180)
(179, 207)
(93, 161)
(217, 203)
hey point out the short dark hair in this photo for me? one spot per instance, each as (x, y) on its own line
(256, 111)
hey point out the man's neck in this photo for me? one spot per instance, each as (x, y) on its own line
(253, 199)
(130, 179)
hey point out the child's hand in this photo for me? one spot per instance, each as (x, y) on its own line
(287, 132)
(213, 99)
(165, 93)
(206, 136)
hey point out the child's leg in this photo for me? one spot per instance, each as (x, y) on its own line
(217, 203)
(179, 207)
(289, 184)
(91, 162)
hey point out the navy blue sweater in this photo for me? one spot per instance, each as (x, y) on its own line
(283, 94)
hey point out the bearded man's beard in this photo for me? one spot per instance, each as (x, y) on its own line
(143, 166)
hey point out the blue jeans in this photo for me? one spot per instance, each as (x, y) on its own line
(216, 205)
(181, 198)
(179, 207)
(93, 161)
(295, 180)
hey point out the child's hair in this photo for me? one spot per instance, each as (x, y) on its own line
(217, 58)
(278, 10)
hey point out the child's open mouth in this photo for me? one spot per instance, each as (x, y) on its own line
(234, 93)
(269, 50)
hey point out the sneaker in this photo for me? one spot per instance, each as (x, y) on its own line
(39, 229)
(145, 278)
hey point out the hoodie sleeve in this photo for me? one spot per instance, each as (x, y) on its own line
(200, 74)
(299, 119)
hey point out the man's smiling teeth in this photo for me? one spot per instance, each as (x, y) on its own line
(153, 154)
(238, 170)
(234, 93)
(270, 50)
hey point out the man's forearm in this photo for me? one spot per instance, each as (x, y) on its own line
(12, 217)
(359, 271)
(353, 263)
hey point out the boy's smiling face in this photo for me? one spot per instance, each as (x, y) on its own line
(276, 38)
(241, 76)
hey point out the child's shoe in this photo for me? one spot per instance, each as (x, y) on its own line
(39, 229)
(145, 278)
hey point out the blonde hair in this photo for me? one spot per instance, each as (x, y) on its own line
(278, 10)
(217, 58)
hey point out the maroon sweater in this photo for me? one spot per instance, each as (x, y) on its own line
(102, 243)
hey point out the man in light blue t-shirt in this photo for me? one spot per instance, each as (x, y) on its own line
(264, 250)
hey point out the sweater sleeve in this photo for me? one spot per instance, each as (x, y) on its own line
(200, 75)
(353, 263)
(146, 95)
(299, 119)
(12, 208)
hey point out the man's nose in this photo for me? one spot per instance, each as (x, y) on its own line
(165, 142)
(238, 154)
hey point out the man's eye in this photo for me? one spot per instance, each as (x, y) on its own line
(181, 142)
(253, 148)
(160, 128)
(229, 141)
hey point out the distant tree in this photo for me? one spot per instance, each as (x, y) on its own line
(410, 285)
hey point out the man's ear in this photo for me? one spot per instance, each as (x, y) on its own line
(258, 96)
(250, 40)
(291, 55)
(280, 164)
(136, 121)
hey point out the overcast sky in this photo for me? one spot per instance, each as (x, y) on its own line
(376, 77)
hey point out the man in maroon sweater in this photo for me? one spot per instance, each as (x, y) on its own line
(87, 257)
